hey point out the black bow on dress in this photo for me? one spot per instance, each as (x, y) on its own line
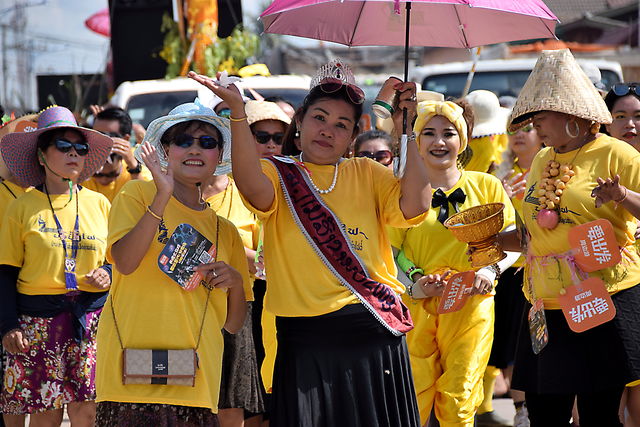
(440, 199)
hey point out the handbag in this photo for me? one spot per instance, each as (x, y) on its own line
(162, 366)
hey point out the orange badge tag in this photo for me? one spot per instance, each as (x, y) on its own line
(587, 305)
(456, 292)
(595, 245)
(26, 127)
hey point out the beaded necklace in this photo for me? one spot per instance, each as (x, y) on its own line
(333, 183)
(553, 183)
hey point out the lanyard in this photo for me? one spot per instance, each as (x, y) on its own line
(69, 261)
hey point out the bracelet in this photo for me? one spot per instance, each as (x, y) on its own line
(240, 119)
(496, 269)
(135, 170)
(413, 270)
(410, 290)
(153, 214)
(626, 193)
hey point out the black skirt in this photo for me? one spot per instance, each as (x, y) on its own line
(341, 369)
(509, 305)
(606, 356)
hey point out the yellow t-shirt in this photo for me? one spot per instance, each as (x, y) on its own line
(365, 199)
(487, 150)
(113, 188)
(604, 157)
(153, 312)
(30, 240)
(8, 193)
(228, 204)
(431, 246)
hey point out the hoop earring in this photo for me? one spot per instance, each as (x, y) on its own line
(566, 129)
(595, 128)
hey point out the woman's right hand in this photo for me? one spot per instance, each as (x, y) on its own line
(515, 185)
(162, 179)
(14, 342)
(432, 285)
(230, 94)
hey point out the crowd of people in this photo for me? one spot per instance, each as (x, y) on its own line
(247, 262)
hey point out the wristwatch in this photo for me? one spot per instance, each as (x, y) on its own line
(135, 170)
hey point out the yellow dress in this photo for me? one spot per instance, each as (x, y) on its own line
(449, 352)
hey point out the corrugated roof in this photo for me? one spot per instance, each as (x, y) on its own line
(571, 10)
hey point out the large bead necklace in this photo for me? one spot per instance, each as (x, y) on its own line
(550, 189)
(333, 183)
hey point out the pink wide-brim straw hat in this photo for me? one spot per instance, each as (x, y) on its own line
(19, 149)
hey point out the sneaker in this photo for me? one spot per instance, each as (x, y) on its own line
(491, 419)
(522, 417)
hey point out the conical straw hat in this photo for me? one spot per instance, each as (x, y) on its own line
(557, 83)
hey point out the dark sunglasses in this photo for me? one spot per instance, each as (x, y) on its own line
(225, 112)
(331, 85)
(64, 146)
(528, 128)
(206, 142)
(264, 137)
(622, 89)
(384, 157)
(112, 174)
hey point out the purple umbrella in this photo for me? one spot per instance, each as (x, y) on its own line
(437, 23)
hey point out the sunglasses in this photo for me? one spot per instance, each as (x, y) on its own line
(206, 142)
(528, 128)
(384, 157)
(225, 112)
(112, 174)
(331, 85)
(622, 89)
(264, 137)
(64, 146)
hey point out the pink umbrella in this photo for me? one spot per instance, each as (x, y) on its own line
(438, 23)
(100, 23)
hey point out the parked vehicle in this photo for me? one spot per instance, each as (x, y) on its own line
(147, 99)
(501, 76)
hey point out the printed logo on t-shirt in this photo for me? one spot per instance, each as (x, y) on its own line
(85, 240)
(356, 236)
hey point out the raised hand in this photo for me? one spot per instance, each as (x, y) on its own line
(515, 185)
(123, 148)
(163, 179)
(608, 190)
(230, 94)
(406, 99)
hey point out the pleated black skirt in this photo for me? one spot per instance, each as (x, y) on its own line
(341, 369)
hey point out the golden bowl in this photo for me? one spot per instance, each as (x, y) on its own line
(479, 226)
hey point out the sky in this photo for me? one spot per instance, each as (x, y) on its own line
(62, 43)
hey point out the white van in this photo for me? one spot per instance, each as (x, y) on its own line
(504, 77)
(146, 100)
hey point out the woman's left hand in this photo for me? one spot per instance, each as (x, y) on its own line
(481, 285)
(608, 190)
(406, 99)
(98, 278)
(220, 275)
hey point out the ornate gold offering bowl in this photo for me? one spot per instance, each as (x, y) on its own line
(479, 227)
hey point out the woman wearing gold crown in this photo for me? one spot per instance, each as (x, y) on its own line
(342, 357)
(580, 176)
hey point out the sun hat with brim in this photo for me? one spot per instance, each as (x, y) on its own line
(489, 118)
(184, 113)
(557, 83)
(264, 110)
(19, 149)
(27, 123)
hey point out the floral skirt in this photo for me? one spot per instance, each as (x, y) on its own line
(118, 414)
(55, 370)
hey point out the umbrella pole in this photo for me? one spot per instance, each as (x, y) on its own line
(402, 161)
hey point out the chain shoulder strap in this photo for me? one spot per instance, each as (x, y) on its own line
(206, 303)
